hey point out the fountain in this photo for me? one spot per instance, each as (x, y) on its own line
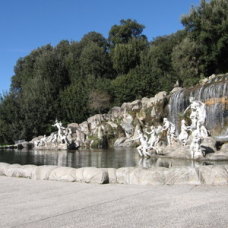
(60, 140)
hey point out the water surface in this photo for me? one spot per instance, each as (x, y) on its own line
(111, 158)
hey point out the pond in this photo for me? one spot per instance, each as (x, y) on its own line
(111, 158)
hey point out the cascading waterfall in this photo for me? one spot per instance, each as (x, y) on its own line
(214, 95)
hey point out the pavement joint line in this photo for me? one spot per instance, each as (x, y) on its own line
(83, 208)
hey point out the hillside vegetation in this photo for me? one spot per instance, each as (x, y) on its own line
(76, 79)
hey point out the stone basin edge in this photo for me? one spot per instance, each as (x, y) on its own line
(201, 175)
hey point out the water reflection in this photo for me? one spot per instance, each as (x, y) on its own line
(111, 158)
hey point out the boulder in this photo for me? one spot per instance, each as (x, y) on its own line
(13, 170)
(151, 176)
(73, 127)
(126, 106)
(208, 145)
(112, 125)
(92, 175)
(17, 170)
(120, 142)
(127, 124)
(80, 136)
(160, 96)
(84, 127)
(153, 112)
(112, 179)
(123, 175)
(145, 101)
(115, 112)
(136, 105)
(106, 116)
(224, 148)
(182, 175)
(213, 175)
(3, 167)
(218, 156)
(63, 174)
(43, 172)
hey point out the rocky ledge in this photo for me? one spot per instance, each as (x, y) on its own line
(208, 175)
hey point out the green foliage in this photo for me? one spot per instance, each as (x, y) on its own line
(73, 102)
(184, 62)
(95, 61)
(74, 80)
(207, 27)
(124, 32)
(127, 56)
(131, 86)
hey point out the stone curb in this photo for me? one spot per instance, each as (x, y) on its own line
(207, 175)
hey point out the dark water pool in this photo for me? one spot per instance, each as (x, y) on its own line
(112, 158)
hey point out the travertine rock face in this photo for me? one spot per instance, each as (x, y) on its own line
(120, 123)
(113, 128)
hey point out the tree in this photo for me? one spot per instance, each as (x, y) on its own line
(184, 61)
(10, 118)
(96, 38)
(123, 33)
(74, 102)
(127, 56)
(94, 60)
(207, 26)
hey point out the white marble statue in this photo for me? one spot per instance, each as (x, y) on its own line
(60, 130)
(43, 141)
(198, 113)
(69, 135)
(143, 147)
(195, 147)
(183, 136)
(170, 129)
(36, 143)
(54, 138)
(153, 138)
(57, 140)
(199, 131)
(203, 132)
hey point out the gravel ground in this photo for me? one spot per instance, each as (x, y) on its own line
(30, 203)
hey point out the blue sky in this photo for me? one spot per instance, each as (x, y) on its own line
(28, 24)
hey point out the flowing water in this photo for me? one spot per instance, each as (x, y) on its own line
(112, 158)
(214, 95)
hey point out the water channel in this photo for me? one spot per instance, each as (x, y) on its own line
(111, 158)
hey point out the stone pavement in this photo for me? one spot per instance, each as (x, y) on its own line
(37, 203)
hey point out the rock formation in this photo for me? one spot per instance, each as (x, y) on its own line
(183, 118)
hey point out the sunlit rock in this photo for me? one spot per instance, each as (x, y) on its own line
(43, 172)
(213, 175)
(63, 174)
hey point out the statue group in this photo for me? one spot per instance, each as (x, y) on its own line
(190, 136)
(62, 139)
